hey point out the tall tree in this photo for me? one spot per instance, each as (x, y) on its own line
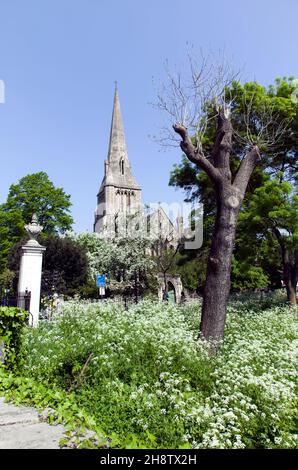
(34, 193)
(192, 105)
(273, 211)
(255, 254)
(229, 196)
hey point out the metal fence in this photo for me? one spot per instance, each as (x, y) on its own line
(21, 300)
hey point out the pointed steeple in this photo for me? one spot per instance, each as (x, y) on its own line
(117, 137)
(119, 193)
(117, 166)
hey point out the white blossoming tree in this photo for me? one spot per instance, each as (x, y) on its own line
(125, 261)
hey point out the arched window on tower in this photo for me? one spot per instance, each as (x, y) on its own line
(122, 166)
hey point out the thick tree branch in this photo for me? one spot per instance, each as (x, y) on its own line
(290, 264)
(193, 155)
(247, 166)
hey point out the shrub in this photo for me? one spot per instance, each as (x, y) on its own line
(12, 321)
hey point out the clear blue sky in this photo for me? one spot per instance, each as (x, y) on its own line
(59, 60)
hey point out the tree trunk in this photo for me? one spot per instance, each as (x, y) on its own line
(229, 197)
(289, 278)
(291, 292)
(289, 263)
(165, 292)
(218, 277)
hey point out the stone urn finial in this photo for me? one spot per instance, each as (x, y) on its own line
(33, 230)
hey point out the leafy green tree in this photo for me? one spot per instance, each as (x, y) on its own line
(65, 266)
(258, 256)
(11, 231)
(192, 269)
(34, 193)
(256, 261)
(246, 276)
(6, 282)
(37, 194)
(225, 132)
(273, 211)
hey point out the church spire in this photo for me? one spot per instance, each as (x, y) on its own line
(119, 193)
(117, 137)
(117, 167)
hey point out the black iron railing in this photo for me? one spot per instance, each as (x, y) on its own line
(21, 300)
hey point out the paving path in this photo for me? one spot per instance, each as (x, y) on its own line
(21, 428)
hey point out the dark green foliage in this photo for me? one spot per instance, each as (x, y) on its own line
(6, 282)
(89, 290)
(12, 321)
(11, 231)
(65, 265)
(192, 268)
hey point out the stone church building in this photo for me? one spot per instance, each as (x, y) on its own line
(120, 198)
(120, 195)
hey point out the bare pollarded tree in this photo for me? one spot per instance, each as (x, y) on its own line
(188, 103)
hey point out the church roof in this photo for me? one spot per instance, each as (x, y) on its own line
(118, 171)
(161, 225)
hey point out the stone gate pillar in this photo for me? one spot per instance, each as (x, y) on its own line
(30, 271)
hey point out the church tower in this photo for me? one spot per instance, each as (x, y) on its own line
(119, 193)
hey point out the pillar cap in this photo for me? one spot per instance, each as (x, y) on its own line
(33, 229)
